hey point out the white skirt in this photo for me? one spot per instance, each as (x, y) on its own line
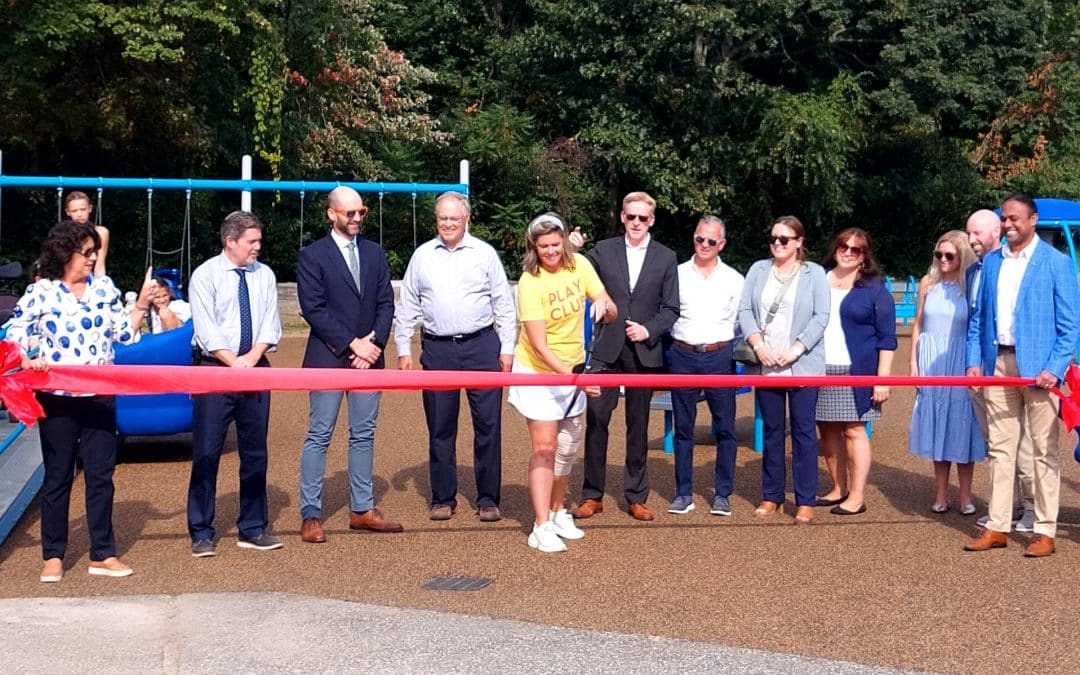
(545, 404)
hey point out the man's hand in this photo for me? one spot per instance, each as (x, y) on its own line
(404, 363)
(592, 391)
(358, 363)
(1046, 380)
(244, 361)
(365, 349)
(577, 239)
(506, 362)
(636, 332)
(974, 371)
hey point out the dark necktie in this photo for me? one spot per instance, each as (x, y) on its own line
(245, 312)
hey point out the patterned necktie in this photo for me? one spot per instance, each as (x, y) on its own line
(354, 264)
(245, 312)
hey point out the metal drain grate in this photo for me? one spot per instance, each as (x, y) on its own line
(456, 583)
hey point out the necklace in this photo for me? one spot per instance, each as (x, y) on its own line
(785, 277)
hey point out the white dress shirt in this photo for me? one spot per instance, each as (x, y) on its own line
(215, 306)
(455, 292)
(635, 258)
(708, 304)
(1013, 266)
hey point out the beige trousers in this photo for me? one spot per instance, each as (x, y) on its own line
(1012, 413)
(1025, 466)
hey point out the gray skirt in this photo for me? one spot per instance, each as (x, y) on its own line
(837, 404)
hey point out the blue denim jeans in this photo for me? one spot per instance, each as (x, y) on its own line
(324, 408)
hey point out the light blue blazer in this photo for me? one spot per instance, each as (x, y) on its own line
(1047, 320)
(812, 299)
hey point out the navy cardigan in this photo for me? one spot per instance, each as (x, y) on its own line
(868, 317)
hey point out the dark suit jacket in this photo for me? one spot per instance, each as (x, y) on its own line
(654, 302)
(336, 311)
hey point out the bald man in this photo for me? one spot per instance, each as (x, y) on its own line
(343, 284)
(984, 234)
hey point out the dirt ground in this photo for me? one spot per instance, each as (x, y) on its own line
(891, 587)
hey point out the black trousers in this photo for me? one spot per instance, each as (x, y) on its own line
(441, 411)
(84, 427)
(597, 418)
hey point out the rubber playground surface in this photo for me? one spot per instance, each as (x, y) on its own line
(891, 587)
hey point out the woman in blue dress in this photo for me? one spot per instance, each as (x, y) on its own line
(943, 424)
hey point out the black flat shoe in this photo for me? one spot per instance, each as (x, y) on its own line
(821, 501)
(841, 511)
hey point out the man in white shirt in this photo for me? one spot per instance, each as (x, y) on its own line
(234, 309)
(702, 342)
(456, 288)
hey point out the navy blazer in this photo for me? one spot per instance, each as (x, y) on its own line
(654, 302)
(335, 309)
(868, 317)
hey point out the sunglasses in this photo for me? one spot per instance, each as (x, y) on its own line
(698, 239)
(850, 250)
(781, 239)
(945, 255)
(86, 253)
(358, 213)
(630, 217)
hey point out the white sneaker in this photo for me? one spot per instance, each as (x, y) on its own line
(565, 526)
(544, 538)
(1026, 522)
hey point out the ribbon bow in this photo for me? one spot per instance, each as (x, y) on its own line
(17, 397)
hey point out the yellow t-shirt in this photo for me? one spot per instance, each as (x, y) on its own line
(559, 301)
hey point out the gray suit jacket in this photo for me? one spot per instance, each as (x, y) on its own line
(812, 300)
(654, 302)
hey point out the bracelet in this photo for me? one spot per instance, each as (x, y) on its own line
(757, 346)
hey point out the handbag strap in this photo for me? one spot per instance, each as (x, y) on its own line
(779, 296)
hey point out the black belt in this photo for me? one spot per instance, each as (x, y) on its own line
(1011, 349)
(701, 349)
(458, 339)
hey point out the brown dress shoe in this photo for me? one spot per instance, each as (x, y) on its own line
(986, 540)
(588, 508)
(766, 509)
(489, 514)
(440, 512)
(1039, 546)
(311, 531)
(803, 515)
(373, 520)
(640, 512)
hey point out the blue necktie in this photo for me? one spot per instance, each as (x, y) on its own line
(245, 312)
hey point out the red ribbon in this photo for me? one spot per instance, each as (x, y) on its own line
(17, 396)
(131, 380)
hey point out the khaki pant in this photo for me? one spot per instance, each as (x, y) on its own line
(1025, 465)
(1011, 414)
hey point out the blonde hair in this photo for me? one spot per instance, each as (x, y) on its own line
(959, 241)
(639, 197)
(544, 224)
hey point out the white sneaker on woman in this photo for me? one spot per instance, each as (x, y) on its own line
(565, 526)
(544, 538)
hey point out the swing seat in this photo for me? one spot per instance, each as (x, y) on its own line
(157, 414)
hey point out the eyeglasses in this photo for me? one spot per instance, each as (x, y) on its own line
(698, 239)
(850, 250)
(945, 254)
(781, 239)
(359, 213)
(630, 217)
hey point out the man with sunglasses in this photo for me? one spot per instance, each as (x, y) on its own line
(343, 284)
(709, 293)
(456, 287)
(641, 278)
(1025, 324)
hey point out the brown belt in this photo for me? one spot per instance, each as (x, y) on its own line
(1007, 348)
(711, 347)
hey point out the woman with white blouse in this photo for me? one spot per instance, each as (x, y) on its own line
(73, 317)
